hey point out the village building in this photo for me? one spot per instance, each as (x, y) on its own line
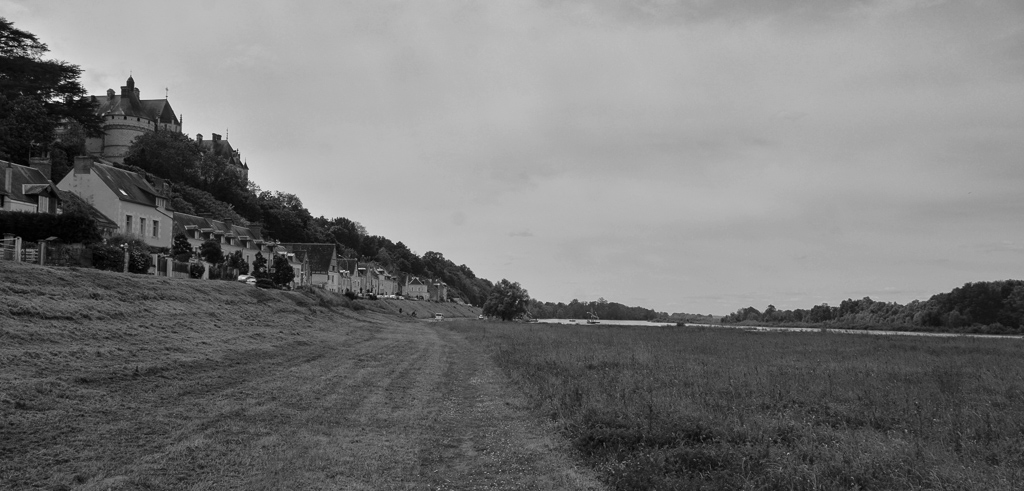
(415, 288)
(438, 291)
(323, 262)
(222, 148)
(232, 238)
(125, 197)
(28, 189)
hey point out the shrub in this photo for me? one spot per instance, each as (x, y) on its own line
(139, 259)
(196, 270)
(32, 227)
(350, 294)
(107, 257)
(211, 252)
(265, 283)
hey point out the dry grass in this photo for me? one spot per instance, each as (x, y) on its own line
(681, 408)
(125, 382)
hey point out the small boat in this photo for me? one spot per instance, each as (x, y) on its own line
(593, 319)
(572, 320)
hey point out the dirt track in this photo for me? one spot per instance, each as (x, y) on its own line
(275, 394)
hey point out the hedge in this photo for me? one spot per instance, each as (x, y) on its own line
(32, 227)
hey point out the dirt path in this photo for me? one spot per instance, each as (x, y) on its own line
(273, 395)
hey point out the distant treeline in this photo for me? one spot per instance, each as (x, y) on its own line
(993, 307)
(582, 310)
(604, 309)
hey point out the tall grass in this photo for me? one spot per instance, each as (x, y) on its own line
(682, 408)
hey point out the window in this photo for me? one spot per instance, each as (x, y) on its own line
(44, 205)
(156, 229)
(128, 224)
(142, 226)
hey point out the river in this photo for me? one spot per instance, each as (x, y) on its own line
(583, 322)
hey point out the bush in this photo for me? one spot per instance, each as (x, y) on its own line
(139, 259)
(350, 294)
(211, 252)
(107, 257)
(196, 270)
(33, 227)
(265, 283)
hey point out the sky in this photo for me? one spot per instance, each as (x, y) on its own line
(686, 156)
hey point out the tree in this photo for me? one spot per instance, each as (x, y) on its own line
(165, 154)
(181, 247)
(37, 95)
(283, 273)
(235, 260)
(507, 300)
(259, 266)
(211, 252)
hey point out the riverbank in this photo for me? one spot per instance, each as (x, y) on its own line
(125, 382)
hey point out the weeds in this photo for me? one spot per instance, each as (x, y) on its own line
(671, 408)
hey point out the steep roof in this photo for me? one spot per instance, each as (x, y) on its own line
(183, 221)
(25, 182)
(129, 104)
(320, 255)
(72, 202)
(127, 185)
(223, 148)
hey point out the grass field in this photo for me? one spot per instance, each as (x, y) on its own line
(128, 382)
(687, 408)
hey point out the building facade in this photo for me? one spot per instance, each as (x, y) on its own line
(138, 207)
(126, 116)
(27, 189)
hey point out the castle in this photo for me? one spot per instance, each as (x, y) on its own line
(126, 116)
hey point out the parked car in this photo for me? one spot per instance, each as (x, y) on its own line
(251, 281)
(438, 316)
(245, 278)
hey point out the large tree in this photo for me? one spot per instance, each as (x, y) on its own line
(37, 96)
(507, 300)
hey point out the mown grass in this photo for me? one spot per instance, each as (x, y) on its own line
(684, 408)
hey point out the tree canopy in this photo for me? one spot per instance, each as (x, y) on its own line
(507, 301)
(37, 96)
(985, 306)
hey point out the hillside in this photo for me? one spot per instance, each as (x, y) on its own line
(114, 381)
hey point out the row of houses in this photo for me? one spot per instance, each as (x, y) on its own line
(123, 202)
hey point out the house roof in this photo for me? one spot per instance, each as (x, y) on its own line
(126, 185)
(184, 221)
(320, 255)
(72, 203)
(129, 104)
(222, 148)
(25, 182)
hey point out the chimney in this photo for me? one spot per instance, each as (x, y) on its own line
(83, 165)
(110, 94)
(199, 138)
(162, 186)
(8, 176)
(43, 164)
(215, 137)
(137, 93)
(230, 223)
(256, 231)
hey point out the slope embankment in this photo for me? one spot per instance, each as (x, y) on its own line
(114, 381)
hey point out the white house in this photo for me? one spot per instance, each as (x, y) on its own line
(125, 197)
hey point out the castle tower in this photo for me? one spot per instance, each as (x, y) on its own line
(125, 117)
